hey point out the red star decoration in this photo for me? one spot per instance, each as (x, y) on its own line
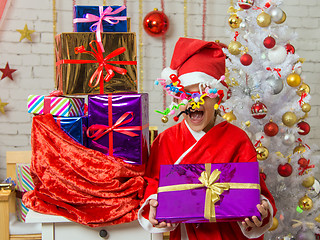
(7, 72)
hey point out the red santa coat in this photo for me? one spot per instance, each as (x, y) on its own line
(223, 143)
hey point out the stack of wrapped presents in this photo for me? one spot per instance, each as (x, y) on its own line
(95, 104)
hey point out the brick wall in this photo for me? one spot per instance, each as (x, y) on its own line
(34, 60)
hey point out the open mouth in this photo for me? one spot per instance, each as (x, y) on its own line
(196, 116)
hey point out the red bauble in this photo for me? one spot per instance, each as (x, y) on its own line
(269, 42)
(290, 48)
(304, 128)
(285, 170)
(259, 110)
(303, 162)
(156, 23)
(246, 59)
(271, 129)
(245, 4)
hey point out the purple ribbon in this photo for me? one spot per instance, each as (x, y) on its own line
(105, 15)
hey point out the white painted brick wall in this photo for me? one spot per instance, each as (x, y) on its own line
(34, 61)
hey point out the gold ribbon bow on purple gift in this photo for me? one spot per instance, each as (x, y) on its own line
(214, 189)
(106, 15)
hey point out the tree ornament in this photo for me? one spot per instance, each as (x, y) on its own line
(234, 47)
(304, 128)
(156, 23)
(306, 107)
(164, 119)
(269, 42)
(263, 19)
(285, 170)
(7, 72)
(293, 80)
(263, 175)
(305, 203)
(246, 59)
(275, 84)
(314, 190)
(308, 182)
(288, 139)
(284, 17)
(299, 149)
(303, 88)
(259, 110)
(262, 152)
(305, 234)
(229, 117)
(303, 162)
(290, 48)
(271, 129)
(2, 105)
(25, 33)
(277, 54)
(275, 224)
(289, 119)
(234, 21)
(245, 4)
(243, 25)
(276, 14)
(286, 237)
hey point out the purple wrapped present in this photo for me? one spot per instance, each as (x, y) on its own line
(196, 193)
(118, 125)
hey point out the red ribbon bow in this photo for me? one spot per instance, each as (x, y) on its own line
(236, 34)
(278, 70)
(300, 141)
(259, 141)
(302, 97)
(98, 130)
(305, 169)
(104, 63)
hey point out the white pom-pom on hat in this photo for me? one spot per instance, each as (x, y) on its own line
(166, 72)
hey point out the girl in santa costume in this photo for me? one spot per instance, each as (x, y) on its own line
(196, 80)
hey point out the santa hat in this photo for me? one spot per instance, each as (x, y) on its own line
(196, 61)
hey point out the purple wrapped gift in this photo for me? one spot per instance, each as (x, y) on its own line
(183, 196)
(119, 125)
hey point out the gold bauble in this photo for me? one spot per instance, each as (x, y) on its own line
(308, 182)
(264, 19)
(306, 107)
(305, 203)
(275, 224)
(293, 80)
(234, 47)
(303, 88)
(284, 17)
(229, 116)
(164, 119)
(262, 152)
(289, 119)
(317, 219)
(299, 149)
(234, 21)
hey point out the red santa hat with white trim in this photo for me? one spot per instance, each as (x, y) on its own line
(197, 61)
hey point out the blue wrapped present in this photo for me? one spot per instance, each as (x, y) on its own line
(100, 19)
(75, 127)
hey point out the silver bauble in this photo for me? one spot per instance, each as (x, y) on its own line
(263, 56)
(288, 139)
(276, 14)
(305, 234)
(277, 54)
(243, 25)
(275, 84)
(286, 237)
(314, 190)
(247, 91)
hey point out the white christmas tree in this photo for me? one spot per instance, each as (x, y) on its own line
(270, 101)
